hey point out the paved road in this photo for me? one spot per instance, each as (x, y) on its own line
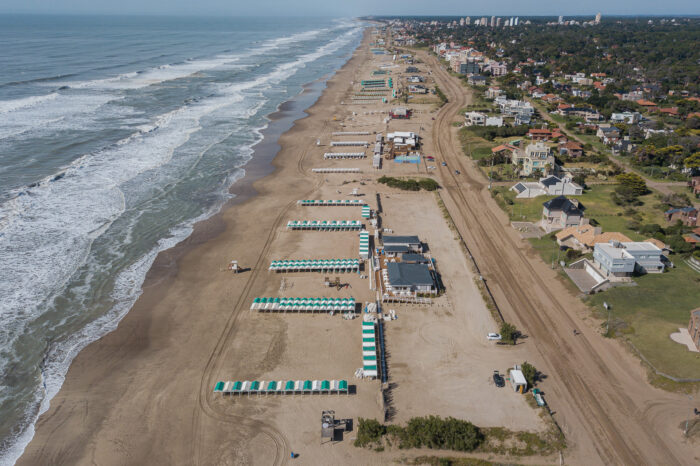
(599, 391)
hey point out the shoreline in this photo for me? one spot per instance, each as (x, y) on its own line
(260, 170)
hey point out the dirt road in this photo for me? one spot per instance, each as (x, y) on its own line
(608, 411)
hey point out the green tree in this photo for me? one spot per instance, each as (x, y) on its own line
(509, 333)
(693, 161)
(634, 182)
(530, 373)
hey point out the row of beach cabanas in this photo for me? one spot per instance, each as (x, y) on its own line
(366, 211)
(364, 244)
(350, 143)
(331, 203)
(324, 225)
(289, 387)
(303, 304)
(336, 170)
(350, 133)
(344, 155)
(315, 265)
(369, 350)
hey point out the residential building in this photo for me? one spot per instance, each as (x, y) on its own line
(561, 212)
(511, 108)
(608, 134)
(494, 121)
(497, 69)
(549, 185)
(475, 118)
(535, 157)
(476, 80)
(469, 67)
(585, 237)
(522, 119)
(537, 134)
(622, 146)
(694, 184)
(494, 92)
(571, 148)
(694, 327)
(688, 216)
(630, 118)
(618, 259)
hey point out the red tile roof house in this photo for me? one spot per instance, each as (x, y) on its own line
(503, 148)
(669, 111)
(539, 134)
(556, 134)
(571, 148)
(687, 215)
(651, 106)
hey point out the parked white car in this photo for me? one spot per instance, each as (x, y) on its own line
(493, 336)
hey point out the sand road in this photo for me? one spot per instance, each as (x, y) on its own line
(609, 412)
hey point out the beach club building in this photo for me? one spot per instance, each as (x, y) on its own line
(407, 278)
(395, 246)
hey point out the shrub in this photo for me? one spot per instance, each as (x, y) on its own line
(572, 254)
(509, 333)
(650, 229)
(428, 184)
(369, 431)
(633, 225)
(444, 434)
(410, 184)
(492, 132)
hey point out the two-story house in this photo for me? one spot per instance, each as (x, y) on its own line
(535, 157)
(561, 212)
(617, 259)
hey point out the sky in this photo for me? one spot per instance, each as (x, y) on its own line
(353, 7)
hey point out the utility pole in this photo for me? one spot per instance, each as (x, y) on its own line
(690, 398)
(491, 172)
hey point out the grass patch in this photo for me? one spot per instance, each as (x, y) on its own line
(653, 310)
(599, 207)
(474, 146)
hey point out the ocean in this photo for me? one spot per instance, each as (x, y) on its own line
(117, 134)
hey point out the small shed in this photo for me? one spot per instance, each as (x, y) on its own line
(517, 380)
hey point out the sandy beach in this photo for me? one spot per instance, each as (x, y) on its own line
(133, 397)
(143, 393)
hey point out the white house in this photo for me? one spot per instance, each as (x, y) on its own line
(535, 157)
(475, 118)
(616, 259)
(549, 185)
(625, 117)
(494, 121)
